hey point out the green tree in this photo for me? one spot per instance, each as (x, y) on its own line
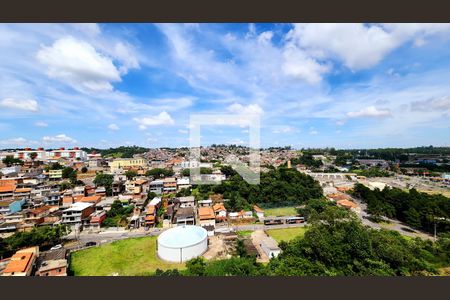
(130, 174)
(196, 266)
(69, 173)
(205, 170)
(159, 173)
(33, 155)
(105, 180)
(10, 160)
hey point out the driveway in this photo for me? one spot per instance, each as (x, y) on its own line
(391, 224)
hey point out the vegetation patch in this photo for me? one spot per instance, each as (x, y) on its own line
(286, 234)
(129, 257)
(281, 211)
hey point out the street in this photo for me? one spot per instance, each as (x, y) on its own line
(110, 236)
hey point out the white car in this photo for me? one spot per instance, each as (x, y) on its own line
(56, 247)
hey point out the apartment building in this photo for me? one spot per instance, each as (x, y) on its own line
(44, 155)
(125, 163)
(76, 213)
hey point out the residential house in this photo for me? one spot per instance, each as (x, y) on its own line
(52, 263)
(96, 220)
(259, 212)
(185, 216)
(349, 205)
(169, 185)
(183, 183)
(7, 192)
(188, 201)
(157, 186)
(220, 212)
(22, 262)
(55, 174)
(206, 216)
(22, 193)
(92, 199)
(77, 213)
(204, 203)
(150, 215)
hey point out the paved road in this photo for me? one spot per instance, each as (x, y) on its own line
(110, 236)
(392, 224)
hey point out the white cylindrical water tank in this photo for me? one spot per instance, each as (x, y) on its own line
(182, 243)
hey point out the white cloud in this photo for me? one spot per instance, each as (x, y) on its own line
(439, 105)
(21, 104)
(41, 124)
(15, 142)
(283, 129)
(79, 64)
(60, 138)
(358, 46)
(265, 37)
(162, 119)
(113, 127)
(251, 109)
(124, 53)
(299, 65)
(370, 111)
(313, 132)
(183, 131)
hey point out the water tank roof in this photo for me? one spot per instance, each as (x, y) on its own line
(182, 236)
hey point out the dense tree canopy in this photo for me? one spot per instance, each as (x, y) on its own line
(122, 151)
(69, 173)
(105, 180)
(337, 244)
(9, 161)
(159, 173)
(419, 210)
(117, 215)
(276, 187)
(44, 237)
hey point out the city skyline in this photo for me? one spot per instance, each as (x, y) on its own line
(313, 85)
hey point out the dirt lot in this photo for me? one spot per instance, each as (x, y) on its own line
(218, 248)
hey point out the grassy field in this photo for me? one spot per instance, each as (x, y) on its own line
(280, 211)
(136, 256)
(286, 234)
(244, 232)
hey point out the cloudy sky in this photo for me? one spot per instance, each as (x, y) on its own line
(312, 85)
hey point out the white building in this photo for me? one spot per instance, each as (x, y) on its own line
(270, 247)
(182, 243)
(44, 155)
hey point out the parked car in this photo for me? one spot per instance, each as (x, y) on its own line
(56, 247)
(89, 244)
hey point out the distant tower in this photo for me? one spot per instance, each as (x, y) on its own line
(289, 164)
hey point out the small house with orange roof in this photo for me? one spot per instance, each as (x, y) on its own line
(206, 216)
(22, 262)
(349, 205)
(7, 192)
(220, 212)
(90, 199)
(259, 212)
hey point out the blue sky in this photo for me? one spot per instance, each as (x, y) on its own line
(312, 85)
